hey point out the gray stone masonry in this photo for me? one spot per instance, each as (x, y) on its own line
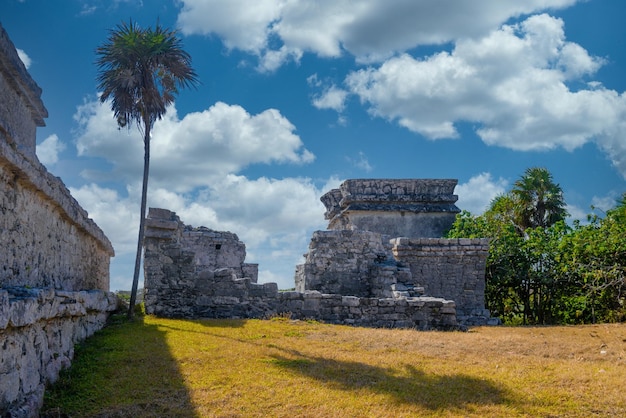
(21, 108)
(449, 268)
(38, 330)
(358, 256)
(186, 277)
(54, 260)
(48, 240)
(180, 261)
(393, 207)
(355, 263)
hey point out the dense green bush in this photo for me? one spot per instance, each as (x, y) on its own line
(551, 273)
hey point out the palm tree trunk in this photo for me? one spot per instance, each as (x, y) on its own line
(142, 218)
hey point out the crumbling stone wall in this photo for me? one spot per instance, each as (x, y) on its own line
(179, 284)
(21, 108)
(352, 262)
(182, 264)
(346, 261)
(54, 260)
(47, 239)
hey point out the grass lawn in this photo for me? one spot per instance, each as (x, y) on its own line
(153, 367)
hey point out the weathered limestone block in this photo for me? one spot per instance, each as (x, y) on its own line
(196, 264)
(38, 330)
(46, 241)
(350, 259)
(21, 108)
(181, 280)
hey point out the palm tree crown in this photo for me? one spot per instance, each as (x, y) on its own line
(140, 70)
(539, 201)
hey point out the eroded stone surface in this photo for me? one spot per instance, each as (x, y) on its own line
(47, 239)
(38, 330)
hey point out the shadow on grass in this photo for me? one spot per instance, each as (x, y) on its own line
(407, 385)
(124, 370)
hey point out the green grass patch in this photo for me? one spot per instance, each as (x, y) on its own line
(283, 368)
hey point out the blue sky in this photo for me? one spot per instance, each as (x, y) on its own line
(299, 95)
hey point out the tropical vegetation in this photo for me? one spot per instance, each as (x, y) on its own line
(542, 270)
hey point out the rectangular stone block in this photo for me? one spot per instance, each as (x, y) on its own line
(350, 301)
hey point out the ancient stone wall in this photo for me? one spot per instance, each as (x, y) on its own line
(449, 268)
(177, 284)
(54, 260)
(367, 264)
(47, 239)
(351, 262)
(182, 262)
(38, 330)
(21, 108)
(348, 260)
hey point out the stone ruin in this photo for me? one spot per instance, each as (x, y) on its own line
(374, 266)
(54, 260)
(384, 240)
(381, 263)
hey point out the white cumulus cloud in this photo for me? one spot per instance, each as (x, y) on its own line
(331, 98)
(370, 30)
(48, 150)
(476, 195)
(511, 84)
(193, 151)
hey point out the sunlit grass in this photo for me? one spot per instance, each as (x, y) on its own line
(283, 368)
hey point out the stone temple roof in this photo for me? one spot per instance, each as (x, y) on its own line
(393, 195)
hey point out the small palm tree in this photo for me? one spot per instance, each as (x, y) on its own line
(539, 201)
(140, 71)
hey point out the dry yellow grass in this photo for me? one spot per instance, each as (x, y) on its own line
(283, 368)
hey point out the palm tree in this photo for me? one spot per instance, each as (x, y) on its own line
(140, 71)
(539, 201)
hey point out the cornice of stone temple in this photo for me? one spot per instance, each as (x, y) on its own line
(396, 207)
(16, 74)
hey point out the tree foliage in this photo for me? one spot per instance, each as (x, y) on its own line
(538, 199)
(540, 270)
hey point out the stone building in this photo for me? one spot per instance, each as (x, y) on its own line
(354, 273)
(54, 260)
(384, 239)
